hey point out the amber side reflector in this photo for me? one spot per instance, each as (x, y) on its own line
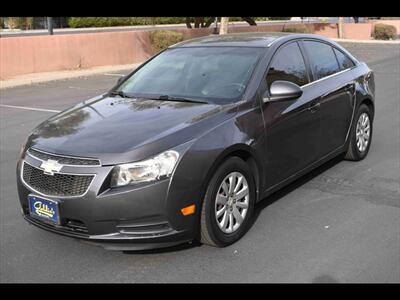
(188, 210)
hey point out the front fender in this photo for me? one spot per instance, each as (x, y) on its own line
(197, 165)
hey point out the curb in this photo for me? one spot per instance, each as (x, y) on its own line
(34, 78)
(394, 42)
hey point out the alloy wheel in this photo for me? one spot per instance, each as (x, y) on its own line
(232, 202)
(363, 132)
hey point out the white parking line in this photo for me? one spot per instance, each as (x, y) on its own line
(114, 74)
(30, 108)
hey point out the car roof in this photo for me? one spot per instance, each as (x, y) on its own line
(246, 39)
(253, 39)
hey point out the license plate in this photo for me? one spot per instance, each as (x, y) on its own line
(44, 209)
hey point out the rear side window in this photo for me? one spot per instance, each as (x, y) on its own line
(344, 61)
(288, 64)
(322, 59)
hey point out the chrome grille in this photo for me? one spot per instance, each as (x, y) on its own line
(55, 185)
(64, 160)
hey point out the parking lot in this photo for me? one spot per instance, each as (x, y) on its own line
(341, 223)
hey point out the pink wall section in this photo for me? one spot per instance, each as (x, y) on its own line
(357, 31)
(23, 55)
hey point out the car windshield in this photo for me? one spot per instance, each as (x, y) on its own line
(215, 74)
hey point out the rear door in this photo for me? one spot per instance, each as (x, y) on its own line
(292, 126)
(329, 66)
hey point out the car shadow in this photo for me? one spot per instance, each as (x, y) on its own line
(325, 279)
(258, 209)
(177, 248)
(264, 203)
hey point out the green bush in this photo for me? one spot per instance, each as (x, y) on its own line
(384, 32)
(390, 18)
(278, 18)
(15, 22)
(29, 22)
(298, 29)
(162, 39)
(18, 22)
(79, 22)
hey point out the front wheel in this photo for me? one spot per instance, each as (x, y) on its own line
(228, 205)
(361, 134)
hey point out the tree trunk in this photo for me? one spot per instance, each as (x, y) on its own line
(209, 22)
(197, 21)
(250, 21)
(340, 28)
(188, 25)
(224, 25)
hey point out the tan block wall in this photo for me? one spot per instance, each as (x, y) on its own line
(23, 55)
(359, 31)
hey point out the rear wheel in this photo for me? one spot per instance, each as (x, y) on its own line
(361, 134)
(228, 205)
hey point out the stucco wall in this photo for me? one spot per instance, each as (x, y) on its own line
(360, 31)
(23, 55)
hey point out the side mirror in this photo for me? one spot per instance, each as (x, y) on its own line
(281, 90)
(121, 79)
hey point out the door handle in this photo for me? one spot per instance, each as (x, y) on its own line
(314, 107)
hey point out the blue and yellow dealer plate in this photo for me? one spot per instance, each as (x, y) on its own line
(44, 209)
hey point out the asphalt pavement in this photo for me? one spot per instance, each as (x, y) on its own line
(340, 223)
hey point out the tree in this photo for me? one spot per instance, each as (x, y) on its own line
(224, 25)
(249, 20)
(340, 28)
(205, 22)
(199, 22)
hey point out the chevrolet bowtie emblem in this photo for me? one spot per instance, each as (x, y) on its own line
(50, 166)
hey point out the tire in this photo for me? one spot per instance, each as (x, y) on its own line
(211, 232)
(354, 153)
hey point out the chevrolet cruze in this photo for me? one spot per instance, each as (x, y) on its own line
(183, 147)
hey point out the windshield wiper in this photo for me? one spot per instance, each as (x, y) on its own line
(119, 93)
(181, 99)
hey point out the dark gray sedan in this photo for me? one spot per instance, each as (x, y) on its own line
(183, 148)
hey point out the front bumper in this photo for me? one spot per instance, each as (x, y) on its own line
(126, 218)
(120, 241)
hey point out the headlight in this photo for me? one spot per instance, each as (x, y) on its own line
(156, 168)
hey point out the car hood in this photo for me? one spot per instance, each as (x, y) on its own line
(119, 130)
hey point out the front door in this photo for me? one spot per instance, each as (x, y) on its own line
(292, 126)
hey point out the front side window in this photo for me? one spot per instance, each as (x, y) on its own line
(344, 61)
(215, 74)
(288, 64)
(322, 59)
